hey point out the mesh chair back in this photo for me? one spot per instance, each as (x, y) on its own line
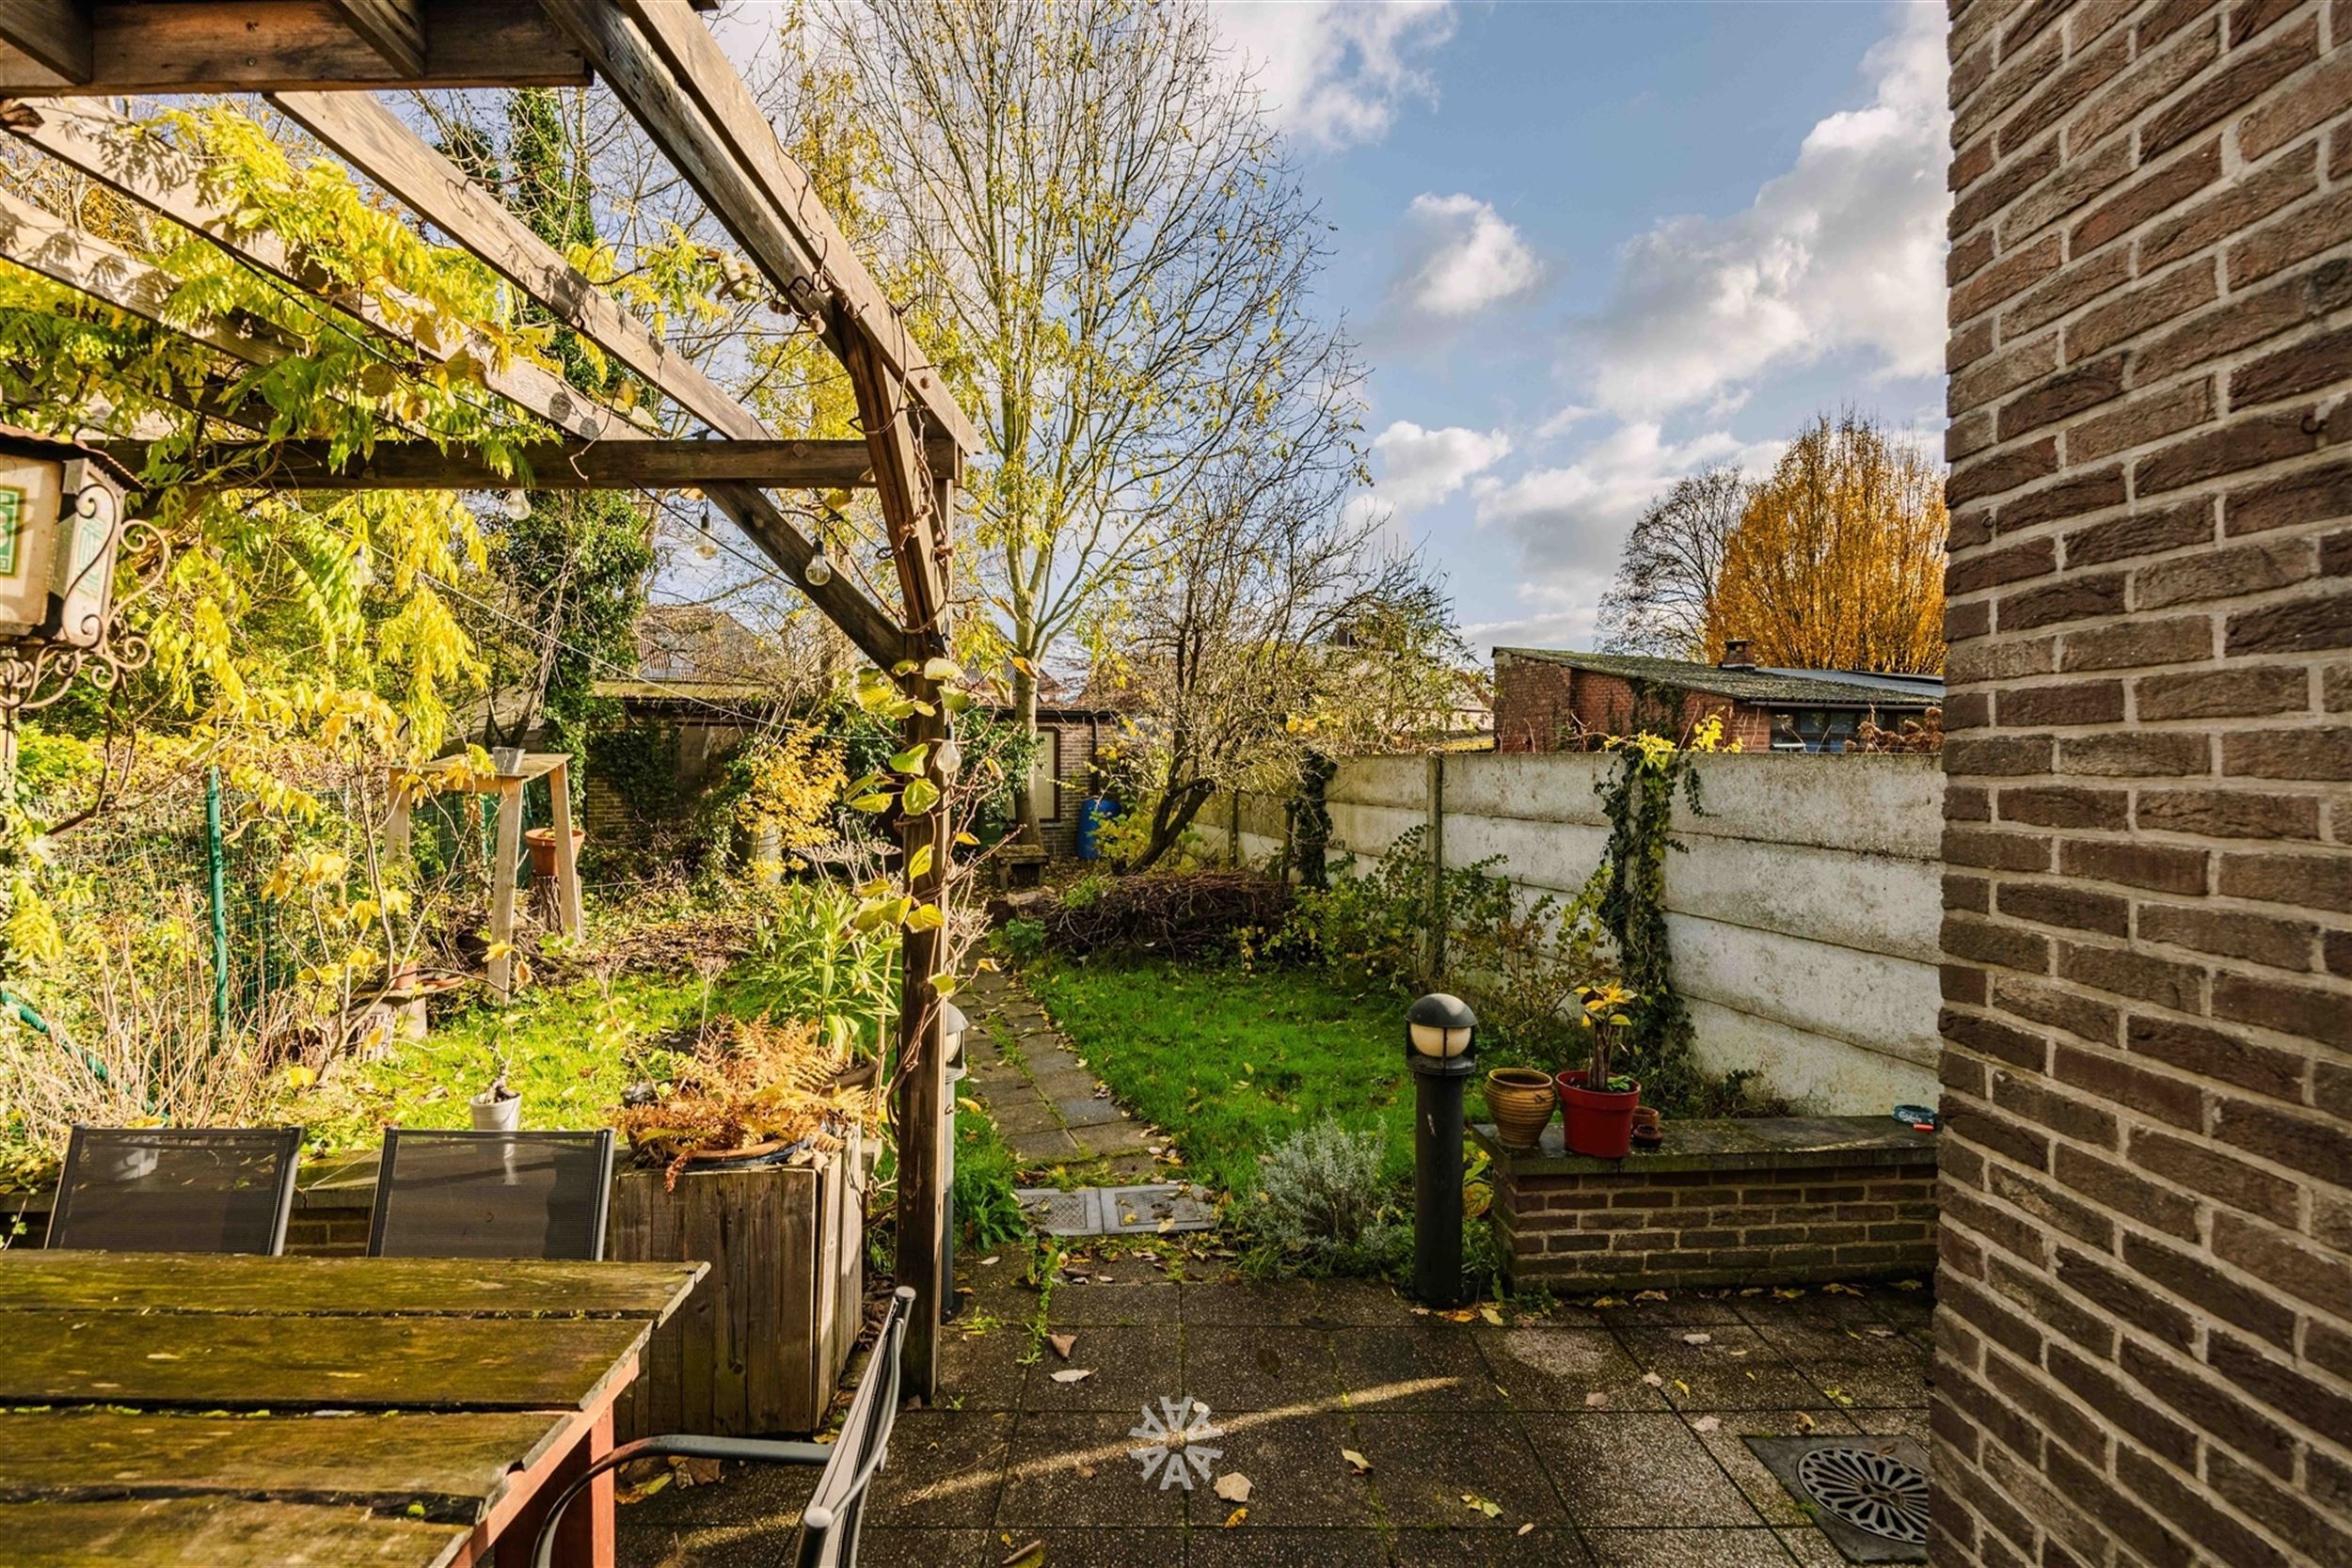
(176, 1189)
(492, 1195)
(829, 1524)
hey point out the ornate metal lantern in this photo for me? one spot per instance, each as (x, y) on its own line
(63, 534)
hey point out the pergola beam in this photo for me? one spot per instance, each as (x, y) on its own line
(393, 28)
(634, 465)
(55, 34)
(256, 45)
(114, 151)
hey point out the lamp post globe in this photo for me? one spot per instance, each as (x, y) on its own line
(1441, 1045)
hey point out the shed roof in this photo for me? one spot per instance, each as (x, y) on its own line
(1761, 685)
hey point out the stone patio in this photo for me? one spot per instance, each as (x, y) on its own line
(1607, 1435)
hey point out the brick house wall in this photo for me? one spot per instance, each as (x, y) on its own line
(1541, 706)
(2144, 1336)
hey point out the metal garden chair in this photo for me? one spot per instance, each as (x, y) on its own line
(828, 1535)
(491, 1195)
(176, 1189)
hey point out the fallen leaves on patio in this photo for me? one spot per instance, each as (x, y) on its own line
(1026, 1556)
(1705, 1423)
(1596, 1400)
(1653, 1380)
(1487, 1506)
(1074, 1374)
(1234, 1487)
(1236, 1517)
(1698, 1339)
(1063, 1344)
(1357, 1462)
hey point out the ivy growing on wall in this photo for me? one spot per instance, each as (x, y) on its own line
(1638, 796)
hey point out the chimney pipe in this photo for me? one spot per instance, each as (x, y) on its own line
(1736, 654)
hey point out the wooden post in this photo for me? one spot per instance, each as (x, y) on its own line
(396, 821)
(923, 1083)
(502, 865)
(570, 917)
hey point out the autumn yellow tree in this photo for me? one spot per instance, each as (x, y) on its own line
(1837, 561)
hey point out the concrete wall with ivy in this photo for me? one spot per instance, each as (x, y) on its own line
(1803, 917)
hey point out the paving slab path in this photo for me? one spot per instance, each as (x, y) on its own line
(1053, 1112)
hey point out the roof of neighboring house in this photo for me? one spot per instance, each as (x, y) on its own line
(1758, 684)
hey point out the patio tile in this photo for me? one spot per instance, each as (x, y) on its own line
(1547, 1546)
(1296, 1474)
(1109, 1139)
(1247, 1546)
(1131, 1367)
(945, 1466)
(1686, 1548)
(1081, 1266)
(1045, 1055)
(1636, 1470)
(748, 1501)
(984, 1372)
(1765, 1310)
(1910, 1423)
(1091, 1548)
(1021, 1113)
(881, 1547)
(1424, 1364)
(1152, 1303)
(1555, 1368)
(1066, 1083)
(1069, 1467)
(1247, 1303)
(1736, 1369)
(1681, 1308)
(1810, 1547)
(1372, 1302)
(743, 1546)
(1049, 1146)
(1085, 1111)
(1747, 1472)
(1422, 1464)
(1851, 1366)
(1262, 1370)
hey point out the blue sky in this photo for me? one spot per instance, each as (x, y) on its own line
(1589, 248)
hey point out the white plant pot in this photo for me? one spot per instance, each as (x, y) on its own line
(496, 1116)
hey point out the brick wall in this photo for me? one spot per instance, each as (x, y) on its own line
(2145, 1320)
(1841, 1199)
(1540, 706)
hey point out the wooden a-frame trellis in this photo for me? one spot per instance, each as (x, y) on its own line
(318, 60)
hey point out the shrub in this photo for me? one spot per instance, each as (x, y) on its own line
(1183, 914)
(1023, 941)
(1322, 1201)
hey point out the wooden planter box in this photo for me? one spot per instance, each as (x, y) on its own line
(760, 1346)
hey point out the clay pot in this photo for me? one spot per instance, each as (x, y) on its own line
(541, 841)
(1648, 1132)
(1597, 1121)
(1521, 1099)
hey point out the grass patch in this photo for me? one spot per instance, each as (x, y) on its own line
(1230, 1061)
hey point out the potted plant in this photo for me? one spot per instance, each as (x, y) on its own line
(1521, 1099)
(498, 1108)
(1596, 1103)
(541, 843)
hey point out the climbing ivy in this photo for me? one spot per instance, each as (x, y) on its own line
(1638, 794)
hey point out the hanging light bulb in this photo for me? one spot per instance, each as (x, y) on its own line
(819, 571)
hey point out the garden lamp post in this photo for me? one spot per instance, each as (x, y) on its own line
(61, 530)
(952, 1025)
(1441, 1047)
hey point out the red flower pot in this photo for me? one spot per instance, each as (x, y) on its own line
(1597, 1122)
(541, 843)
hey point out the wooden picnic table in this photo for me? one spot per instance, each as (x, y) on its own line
(312, 1411)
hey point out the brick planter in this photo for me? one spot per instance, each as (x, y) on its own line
(1767, 1201)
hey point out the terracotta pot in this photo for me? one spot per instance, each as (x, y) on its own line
(1648, 1131)
(1597, 1121)
(541, 841)
(1521, 1099)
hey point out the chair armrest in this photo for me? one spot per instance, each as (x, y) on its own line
(678, 1445)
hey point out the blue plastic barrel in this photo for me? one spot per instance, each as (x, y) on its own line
(1094, 811)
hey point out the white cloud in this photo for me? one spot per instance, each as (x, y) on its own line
(1457, 256)
(1845, 251)
(1335, 73)
(1420, 467)
(1569, 522)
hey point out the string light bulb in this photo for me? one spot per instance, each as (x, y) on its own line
(819, 571)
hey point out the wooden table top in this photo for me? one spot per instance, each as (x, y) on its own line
(299, 1412)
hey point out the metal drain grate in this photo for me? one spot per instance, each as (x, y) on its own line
(1146, 1210)
(1869, 1490)
(1867, 1494)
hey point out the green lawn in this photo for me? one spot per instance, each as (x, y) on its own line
(1229, 1060)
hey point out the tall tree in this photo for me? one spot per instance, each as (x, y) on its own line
(1837, 563)
(1111, 251)
(1663, 600)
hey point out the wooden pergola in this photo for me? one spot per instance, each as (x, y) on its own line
(319, 61)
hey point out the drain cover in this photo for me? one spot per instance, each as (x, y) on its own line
(1145, 1211)
(1868, 1496)
(1869, 1490)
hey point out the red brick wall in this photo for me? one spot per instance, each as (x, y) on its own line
(2145, 1326)
(1541, 706)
